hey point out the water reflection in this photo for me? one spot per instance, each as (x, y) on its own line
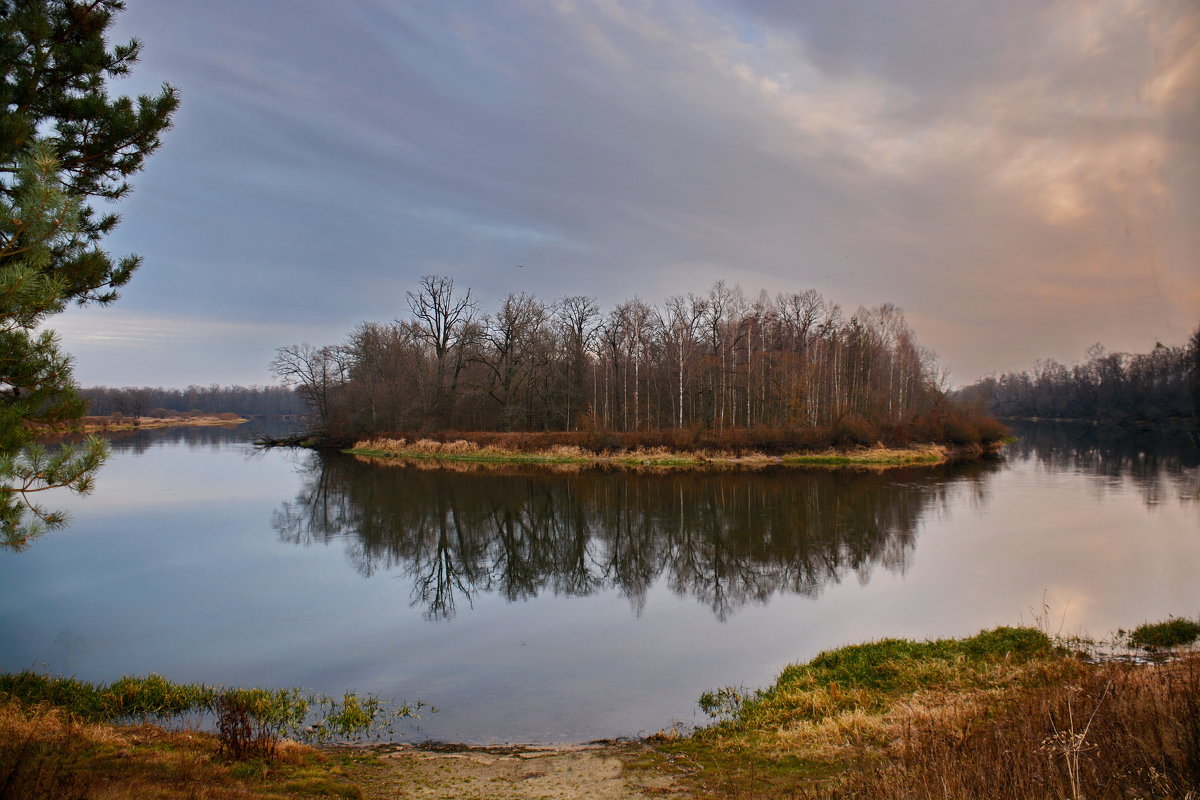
(725, 539)
(193, 437)
(1159, 463)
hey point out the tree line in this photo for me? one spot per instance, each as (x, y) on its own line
(159, 402)
(715, 361)
(1158, 386)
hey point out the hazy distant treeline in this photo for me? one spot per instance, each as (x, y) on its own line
(719, 360)
(1116, 387)
(157, 401)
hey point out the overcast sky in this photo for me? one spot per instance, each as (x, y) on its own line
(1021, 177)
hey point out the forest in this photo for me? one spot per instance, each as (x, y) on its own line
(1155, 387)
(146, 401)
(719, 361)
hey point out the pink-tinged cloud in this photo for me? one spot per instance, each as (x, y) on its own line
(1020, 177)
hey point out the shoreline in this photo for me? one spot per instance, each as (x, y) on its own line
(432, 453)
(108, 424)
(868, 720)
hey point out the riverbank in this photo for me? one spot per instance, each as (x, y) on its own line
(46, 751)
(462, 451)
(124, 423)
(1008, 713)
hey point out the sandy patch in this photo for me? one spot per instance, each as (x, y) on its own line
(516, 773)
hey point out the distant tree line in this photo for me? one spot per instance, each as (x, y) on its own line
(1158, 386)
(156, 402)
(716, 361)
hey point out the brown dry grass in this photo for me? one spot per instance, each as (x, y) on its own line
(1118, 730)
(46, 753)
(1033, 732)
(122, 423)
(541, 449)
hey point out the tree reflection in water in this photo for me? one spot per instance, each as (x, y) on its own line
(727, 539)
(1159, 463)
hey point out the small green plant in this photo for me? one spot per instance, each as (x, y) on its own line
(1174, 632)
(726, 702)
(355, 715)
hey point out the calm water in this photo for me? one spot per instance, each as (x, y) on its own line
(563, 607)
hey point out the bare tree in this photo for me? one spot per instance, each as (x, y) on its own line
(578, 320)
(508, 351)
(441, 319)
(317, 373)
(718, 360)
(681, 324)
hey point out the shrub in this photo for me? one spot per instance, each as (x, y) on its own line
(854, 431)
(1172, 633)
(241, 734)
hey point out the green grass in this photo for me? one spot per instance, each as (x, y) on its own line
(868, 677)
(866, 458)
(484, 458)
(292, 713)
(130, 697)
(1172, 633)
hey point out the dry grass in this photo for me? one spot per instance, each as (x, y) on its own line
(48, 753)
(1118, 730)
(994, 716)
(123, 423)
(507, 449)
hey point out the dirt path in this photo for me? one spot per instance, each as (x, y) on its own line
(584, 772)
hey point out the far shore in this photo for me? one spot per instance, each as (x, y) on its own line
(460, 451)
(123, 423)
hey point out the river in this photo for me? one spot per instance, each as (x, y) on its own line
(533, 606)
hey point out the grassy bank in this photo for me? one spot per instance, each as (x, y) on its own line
(47, 752)
(1004, 714)
(121, 422)
(1007, 714)
(70, 739)
(466, 451)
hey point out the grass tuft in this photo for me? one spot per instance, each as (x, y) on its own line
(1174, 632)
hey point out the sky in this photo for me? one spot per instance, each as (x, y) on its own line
(1022, 178)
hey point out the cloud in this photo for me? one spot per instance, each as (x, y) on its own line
(990, 167)
(171, 350)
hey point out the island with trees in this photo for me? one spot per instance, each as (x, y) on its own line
(719, 377)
